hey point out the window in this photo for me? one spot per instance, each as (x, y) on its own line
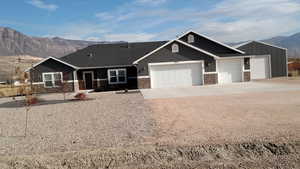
(210, 66)
(247, 63)
(191, 39)
(175, 48)
(52, 79)
(117, 76)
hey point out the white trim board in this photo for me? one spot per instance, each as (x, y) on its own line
(206, 37)
(179, 41)
(51, 57)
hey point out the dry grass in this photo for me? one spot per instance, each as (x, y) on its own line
(9, 90)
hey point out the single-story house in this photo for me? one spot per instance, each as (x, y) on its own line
(191, 59)
(294, 68)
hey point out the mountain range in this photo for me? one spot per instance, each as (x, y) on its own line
(13, 43)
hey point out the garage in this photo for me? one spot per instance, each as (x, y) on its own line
(230, 70)
(260, 67)
(176, 74)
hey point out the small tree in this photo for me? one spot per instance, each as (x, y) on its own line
(64, 86)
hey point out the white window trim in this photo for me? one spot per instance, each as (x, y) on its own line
(117, 76)
(175, 46)
(53, 79)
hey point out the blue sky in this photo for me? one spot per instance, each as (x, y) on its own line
(147, 20)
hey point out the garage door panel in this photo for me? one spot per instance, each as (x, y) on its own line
(260, 67)
(230, 71)
(176, 75)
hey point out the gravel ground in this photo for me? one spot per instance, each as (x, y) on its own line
(107, 120)
(264, 116)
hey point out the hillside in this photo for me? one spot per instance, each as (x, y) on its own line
(292, 43)
(14, 43)
(8, 65)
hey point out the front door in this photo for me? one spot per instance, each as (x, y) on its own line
(88, 80)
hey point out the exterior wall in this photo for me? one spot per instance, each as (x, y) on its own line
(247, 76)
(278, 56)
(185, 54)
(208, 45)
(52, 65)
(144, 83)
(210, 79)
(101, 83)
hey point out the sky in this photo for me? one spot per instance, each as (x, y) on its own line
(151, 20)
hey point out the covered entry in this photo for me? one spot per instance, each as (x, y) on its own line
(260, 67)
(176, 74)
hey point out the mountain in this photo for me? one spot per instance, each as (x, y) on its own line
(292, 43)
(14, 43)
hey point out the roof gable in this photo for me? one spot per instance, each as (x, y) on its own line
(259, 42)
(178, 41)
(54, 58)
(209, 44)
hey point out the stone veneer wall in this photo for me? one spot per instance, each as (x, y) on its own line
(144, 83)
(210, 79)
(39, 88)
(247, 76)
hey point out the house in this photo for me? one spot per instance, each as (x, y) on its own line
(189, 60)
(294, 68)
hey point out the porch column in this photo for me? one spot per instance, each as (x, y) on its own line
(76, 82)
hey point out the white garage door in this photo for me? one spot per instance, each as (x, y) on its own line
(176, 75)
(230, 71)
(260, 67)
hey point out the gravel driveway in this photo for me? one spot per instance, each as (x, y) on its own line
(261, 116)
(217, 90)
(54, 126)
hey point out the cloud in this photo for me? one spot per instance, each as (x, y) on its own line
(228, 21)
(130, 37)
(151, 2)
(41, 4)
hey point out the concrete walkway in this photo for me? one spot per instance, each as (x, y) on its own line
(235, 88)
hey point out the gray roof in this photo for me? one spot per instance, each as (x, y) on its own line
(102, 55)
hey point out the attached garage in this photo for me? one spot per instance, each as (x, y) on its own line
(230, 70)
(176, 74)
(260, 67)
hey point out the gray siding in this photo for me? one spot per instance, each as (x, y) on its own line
(278, 56)
(209, 45)
(51, 65)
(101, 74)
(185, 54)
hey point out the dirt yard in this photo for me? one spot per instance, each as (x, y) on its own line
(228, 118)
(108, 120)
(251, 130)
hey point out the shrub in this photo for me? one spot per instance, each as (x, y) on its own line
(80, 96)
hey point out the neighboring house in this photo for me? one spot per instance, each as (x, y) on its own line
(189, 60)
(294, 68)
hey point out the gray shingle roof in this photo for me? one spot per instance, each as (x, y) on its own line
(102, 55)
